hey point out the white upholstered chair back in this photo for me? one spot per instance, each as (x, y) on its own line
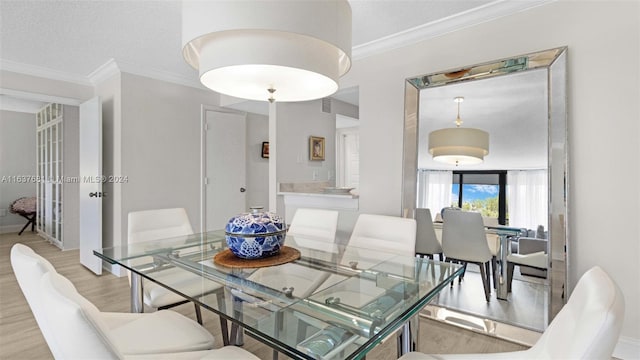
(315, 224)
(29, 268)
(464, 238)
(587, 327)
(78, 329)
(589, 324)
(426, 240)
(387, 233)
(150, 225)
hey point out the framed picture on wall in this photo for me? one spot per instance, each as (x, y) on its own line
(316, 148)
(265, 149)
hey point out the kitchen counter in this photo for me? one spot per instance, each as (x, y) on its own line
(319, 194)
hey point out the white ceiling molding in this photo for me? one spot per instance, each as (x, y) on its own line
(104, 72)
(9, 103)
(30, 96)
(491, 11)
(42, 72)
(113, 67)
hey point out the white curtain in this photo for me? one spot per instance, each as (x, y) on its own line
(434, 190)
(527, 198)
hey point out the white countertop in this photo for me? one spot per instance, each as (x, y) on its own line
(319, 194)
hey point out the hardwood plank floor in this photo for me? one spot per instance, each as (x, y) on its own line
(20, 337)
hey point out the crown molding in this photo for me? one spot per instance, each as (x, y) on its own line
(43, 72)
(485, 13)
(113, 67)
(103, 72)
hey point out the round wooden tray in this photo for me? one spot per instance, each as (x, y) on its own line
(228, 259)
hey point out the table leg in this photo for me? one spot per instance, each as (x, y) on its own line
(501, 268)
(237, 332)
(137, 305)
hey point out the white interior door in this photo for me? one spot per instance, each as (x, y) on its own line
(348, 157)
(225, 167)
(91, 183)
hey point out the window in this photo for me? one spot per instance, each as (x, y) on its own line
(481, 191)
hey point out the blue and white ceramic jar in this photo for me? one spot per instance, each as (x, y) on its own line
(256, 234)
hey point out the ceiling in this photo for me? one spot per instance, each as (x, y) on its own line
(77, 37)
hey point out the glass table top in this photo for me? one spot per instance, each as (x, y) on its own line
(335, 301)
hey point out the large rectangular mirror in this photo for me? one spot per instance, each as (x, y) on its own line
(520, 102)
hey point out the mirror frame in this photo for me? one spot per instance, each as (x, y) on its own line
(555, 62)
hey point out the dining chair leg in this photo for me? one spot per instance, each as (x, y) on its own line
(448, 260)
(224, 331)
(464, 271)
(483, 274)
(198, 313)
(489, 276)
(510, 270)
(494, 266)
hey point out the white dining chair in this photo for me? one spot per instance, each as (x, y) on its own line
(464, 240)
(587, 327)
(427, 242)
(81, 332)
(149, 225)
(158, 332)
(537, 260)
(312, 229)
(314, 224)
(387, 233)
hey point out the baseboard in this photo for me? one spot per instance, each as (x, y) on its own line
(5, 229)
(627, 348)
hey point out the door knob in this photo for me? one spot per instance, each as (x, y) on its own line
(242, 189)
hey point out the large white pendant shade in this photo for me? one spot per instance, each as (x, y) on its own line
(459, 146)
(244, 48)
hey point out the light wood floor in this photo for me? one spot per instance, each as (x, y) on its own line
(20, 337)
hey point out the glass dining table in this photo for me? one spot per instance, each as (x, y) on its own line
(333, 302)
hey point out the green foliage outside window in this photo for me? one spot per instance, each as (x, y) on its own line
(487, 207)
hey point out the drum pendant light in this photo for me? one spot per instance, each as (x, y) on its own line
(261, 50)
(459, 146)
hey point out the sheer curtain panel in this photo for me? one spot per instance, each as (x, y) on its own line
(434, 189)
(527, 198)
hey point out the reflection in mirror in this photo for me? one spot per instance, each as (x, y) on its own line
(347, 139)
(521, 182)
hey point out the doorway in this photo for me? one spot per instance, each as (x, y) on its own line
(224, 167)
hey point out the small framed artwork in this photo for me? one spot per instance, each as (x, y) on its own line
(265, 149)
(316, 148)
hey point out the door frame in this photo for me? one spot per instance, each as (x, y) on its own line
(203, 157)
(31, 96)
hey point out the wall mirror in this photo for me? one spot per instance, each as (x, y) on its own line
(521, 103)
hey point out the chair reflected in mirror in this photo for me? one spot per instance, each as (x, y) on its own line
(464, 241)
(427, 242)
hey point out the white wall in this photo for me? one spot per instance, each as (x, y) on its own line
(296, 122)
(110, 95)
(161, 146)
(603, 58)
(257, 167)
(17, 158)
